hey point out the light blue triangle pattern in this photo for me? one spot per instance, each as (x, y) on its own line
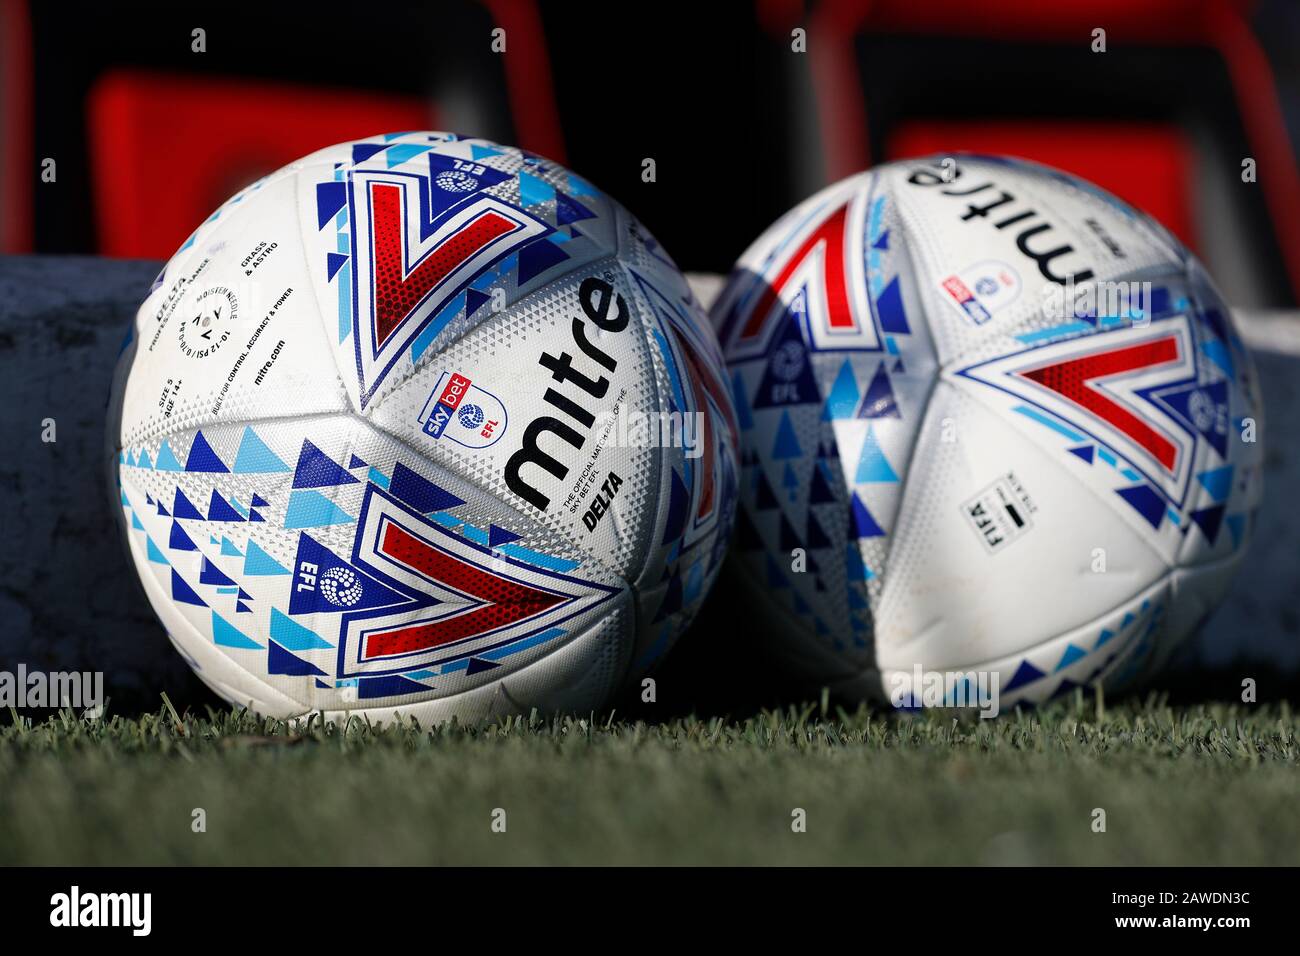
(227, 635)
(311, 509)
(292, 636)
(167, 459)
(873, 466)
(258, 562)
(254, 457)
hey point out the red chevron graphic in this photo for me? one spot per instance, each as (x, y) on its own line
(503, 602)
(703, 382)
(398, 292)
(830, 237)
(1075, 378)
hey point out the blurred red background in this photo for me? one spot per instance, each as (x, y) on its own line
(148, 135)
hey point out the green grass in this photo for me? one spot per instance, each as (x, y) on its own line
(1209, 784)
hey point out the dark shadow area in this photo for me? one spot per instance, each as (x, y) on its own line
(70, 599)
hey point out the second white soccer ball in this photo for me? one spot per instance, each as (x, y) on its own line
(996, 426)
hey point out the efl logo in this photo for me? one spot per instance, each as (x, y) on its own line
(446, 405)
(463, 412)
(964, 298)
(980, 290)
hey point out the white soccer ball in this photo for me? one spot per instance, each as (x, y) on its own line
(995, 425)
(422, 426)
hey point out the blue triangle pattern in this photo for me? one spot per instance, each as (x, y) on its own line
(842, 402)
(317, 470)
(873, 466)
(167, 459)
(311, 509)
(786, 444)
(863, 524)
(293, 635)
(475, 300)
(211, 574)
(498, 535)
(203, 459)
(179, 540)
(569, 210)
(1209, 520)
(1217, 481)
(258, 562)
(1071, 655)
(879, 402)
(182, 592)
(1145, 501)
(1026, 673)
(227, 635)
(395, 685)
(419, 492)
(182, 507)
(403, 152)
(330, 198)
(819, 489)
(1218, 353)
(536, 257)
(280, 661)
(533, 190)
(219, 509)
(889, 307)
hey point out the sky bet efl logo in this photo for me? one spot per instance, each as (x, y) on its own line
(460, 411)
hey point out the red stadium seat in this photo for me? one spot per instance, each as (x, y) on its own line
(894, 77)
(224, 133)
(150, 135)
(1104, 153)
